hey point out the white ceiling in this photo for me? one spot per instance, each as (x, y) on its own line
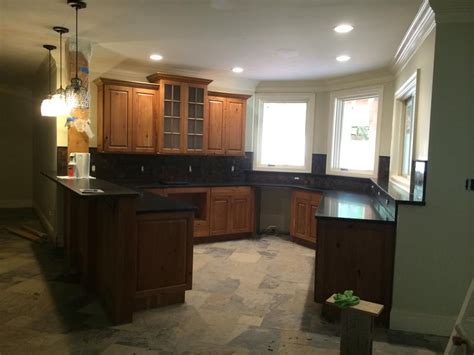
(271, 39)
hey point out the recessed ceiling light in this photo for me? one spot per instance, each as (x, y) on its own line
(343, 28)
(237, 69)
(343, 58)
(156, 57)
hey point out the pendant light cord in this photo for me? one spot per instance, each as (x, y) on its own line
(61, 61)
(49, 71)
(77, 43)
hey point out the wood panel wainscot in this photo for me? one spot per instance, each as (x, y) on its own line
(355, 255)
(164, 258)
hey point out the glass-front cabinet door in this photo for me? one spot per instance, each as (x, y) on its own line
(172, 117)
(196, 118)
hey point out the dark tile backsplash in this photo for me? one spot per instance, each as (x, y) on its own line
(384, 169)
(318, 166)
(127, 168)
(329, 182)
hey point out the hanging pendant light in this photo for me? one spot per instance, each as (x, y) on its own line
(76, 93)
(59, 98)
(46, 105)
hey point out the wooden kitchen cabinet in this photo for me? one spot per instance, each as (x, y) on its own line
(303, 225)
(126, 116)
(231, 210)
(182, 123)
(226, 124)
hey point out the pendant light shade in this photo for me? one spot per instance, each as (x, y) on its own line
(58, 100)
(76, 94)
(47, 109)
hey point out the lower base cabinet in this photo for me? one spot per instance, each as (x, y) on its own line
(232, 210)
(303, 225)
(220, 211)
(164, 258)
(358, 256)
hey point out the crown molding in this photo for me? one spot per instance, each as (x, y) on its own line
(420, 28)
(453, 10)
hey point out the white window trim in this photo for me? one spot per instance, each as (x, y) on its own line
(353, 94)
(309, 99)
(409, 88)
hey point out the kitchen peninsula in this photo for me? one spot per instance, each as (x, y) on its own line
(134, 249)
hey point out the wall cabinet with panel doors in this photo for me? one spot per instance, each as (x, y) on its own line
(303, 224)
(226, 124)
(127, 116)
(183, 113)
(232, 210)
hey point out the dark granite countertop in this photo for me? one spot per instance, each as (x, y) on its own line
(146, 202)
(221, 184)
(75, 185)
(398, 194)
(348, 205)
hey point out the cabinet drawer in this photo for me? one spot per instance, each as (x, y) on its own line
(231, 190)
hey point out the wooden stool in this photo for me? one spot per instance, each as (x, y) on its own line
(357, 326)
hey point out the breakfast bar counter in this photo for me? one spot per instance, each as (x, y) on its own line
(132, 248)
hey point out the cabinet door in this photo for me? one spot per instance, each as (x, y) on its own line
(314, 205)
(144, 120)
(300, 210)
(235, 126)
(215, 132)
(220, 214)
(117, 118)
(196, 118)
(241, 213)
(171, 117)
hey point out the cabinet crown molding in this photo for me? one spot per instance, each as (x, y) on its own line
(156, 77)
(229, 95)
(140, 84)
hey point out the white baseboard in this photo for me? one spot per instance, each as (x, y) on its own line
(16, 203)
(422, 323)
(45, 223)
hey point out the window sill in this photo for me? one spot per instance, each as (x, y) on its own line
(352, 173)
(401, 182)
(277, 169)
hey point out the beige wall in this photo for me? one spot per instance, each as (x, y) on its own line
(275, 208)
(16, 152)
(323, 89)
(434, 261)
(44, 153)
(423, 59)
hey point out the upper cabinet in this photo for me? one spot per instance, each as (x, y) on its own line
(183, 114)
(226, 132)
(172, 115)
(126, 116)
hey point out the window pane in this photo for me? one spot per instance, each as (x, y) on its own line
(407, 137)
(283, 134)
(358, 130)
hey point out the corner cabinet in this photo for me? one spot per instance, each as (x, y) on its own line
(182, 124)
(226, 124)
(303, 225)
(126, 116)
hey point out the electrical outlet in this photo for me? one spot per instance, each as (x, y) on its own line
(296, 178)
(93, 168)
(190, 168)
(142, 169)
(232, 168)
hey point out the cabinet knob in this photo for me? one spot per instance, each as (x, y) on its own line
(106, 138)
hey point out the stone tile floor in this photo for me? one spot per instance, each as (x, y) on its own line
(249, 296)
